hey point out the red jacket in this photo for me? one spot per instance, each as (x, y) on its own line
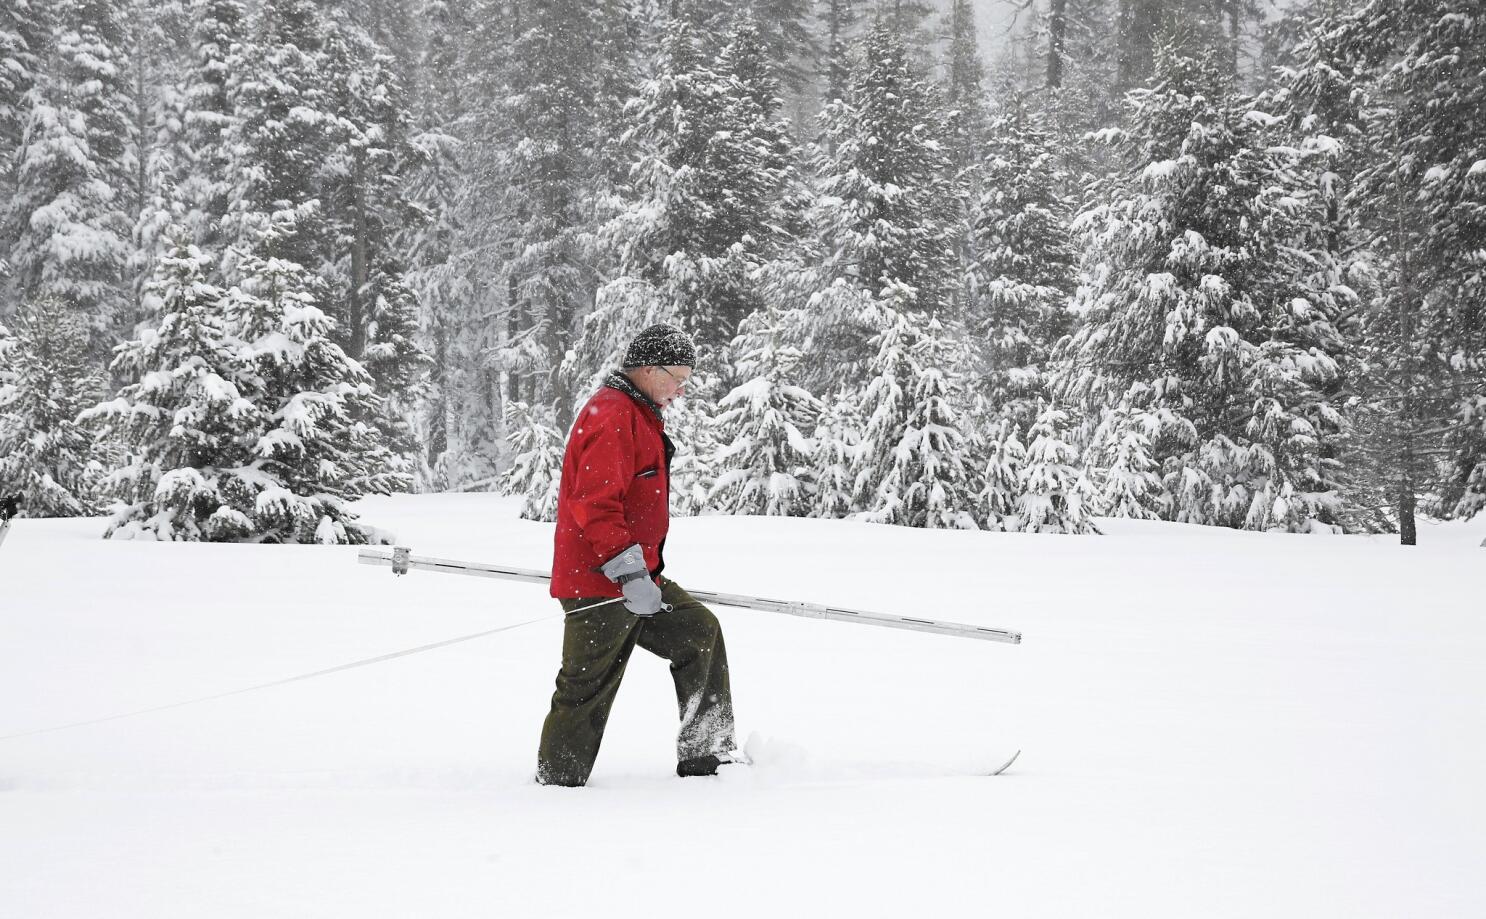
(615, 492)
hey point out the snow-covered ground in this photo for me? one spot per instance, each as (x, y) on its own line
(1215, 724)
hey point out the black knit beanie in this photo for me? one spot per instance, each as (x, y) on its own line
(661, 346)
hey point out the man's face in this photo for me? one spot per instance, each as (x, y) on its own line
(662, 385)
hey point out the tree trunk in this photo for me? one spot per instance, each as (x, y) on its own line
(1057, 26)
(1235, 38)
(1138, 22)
(513, 327)
(1409, 407)
(1408, 534)
(357, 319)
(836, 74)
(144, 138)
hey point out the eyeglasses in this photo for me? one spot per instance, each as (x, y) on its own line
(680, 381)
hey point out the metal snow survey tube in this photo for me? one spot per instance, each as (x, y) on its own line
(400, 560)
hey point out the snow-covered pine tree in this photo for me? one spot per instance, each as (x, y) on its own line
(699, 17)
(1196, 316)
(762, 466)
(1422, 199)
(1018, 291)
(280, 140)
(431, 186)
(1193, 28)
(1019, 68)
(791, 48)
(205, 187)
(364, 188)
(964, 87)
(1081, 94)
(691, 423)
(311, 454)
(833, 448)
(1000, 443)
(24, 36)
(746, 59)
(887, 214)
(159, 55)
(885, 208)
(70, 222)
(457, 255)
(773, 217)
(443, 61)
(711, 163)
(1322, 96)
(910, 21)
(186, 425)
(50, 377)
(911, 466)
(876, 491)
(1130, 484)
(1025, 268)
(393, 26)
(788, 49)
(622, 308)
(536, 459)
(837, 22)
(939, 464)
(544, 167)
(1054, 494)
(320, 125)
(1060, 62)
(967, 121)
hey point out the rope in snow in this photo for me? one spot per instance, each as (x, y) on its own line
(293, 679)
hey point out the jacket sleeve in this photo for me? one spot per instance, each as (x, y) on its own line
(604, 467)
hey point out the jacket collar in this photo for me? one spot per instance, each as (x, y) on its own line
(618, 380)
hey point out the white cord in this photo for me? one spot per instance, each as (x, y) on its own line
(292, 679)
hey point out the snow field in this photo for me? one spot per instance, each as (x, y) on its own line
(1215, 724)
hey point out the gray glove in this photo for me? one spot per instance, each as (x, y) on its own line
(628, 570)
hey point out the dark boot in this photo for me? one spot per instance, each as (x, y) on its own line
(707, 765)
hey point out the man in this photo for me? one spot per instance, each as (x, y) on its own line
(613, 511)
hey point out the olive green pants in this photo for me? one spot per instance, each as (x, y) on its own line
(596, 647)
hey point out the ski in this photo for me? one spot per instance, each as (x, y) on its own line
(1006, 765)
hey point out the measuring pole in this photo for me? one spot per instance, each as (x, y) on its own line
(401, 561)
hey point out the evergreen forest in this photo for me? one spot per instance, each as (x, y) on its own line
(1203, 261)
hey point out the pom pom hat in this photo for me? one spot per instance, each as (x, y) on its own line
(661, 346)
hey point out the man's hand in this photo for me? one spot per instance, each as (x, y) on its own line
(628, 570)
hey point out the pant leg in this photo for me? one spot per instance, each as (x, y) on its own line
(596, 646)
(690, 637)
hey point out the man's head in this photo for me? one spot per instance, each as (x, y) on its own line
(659, 362)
